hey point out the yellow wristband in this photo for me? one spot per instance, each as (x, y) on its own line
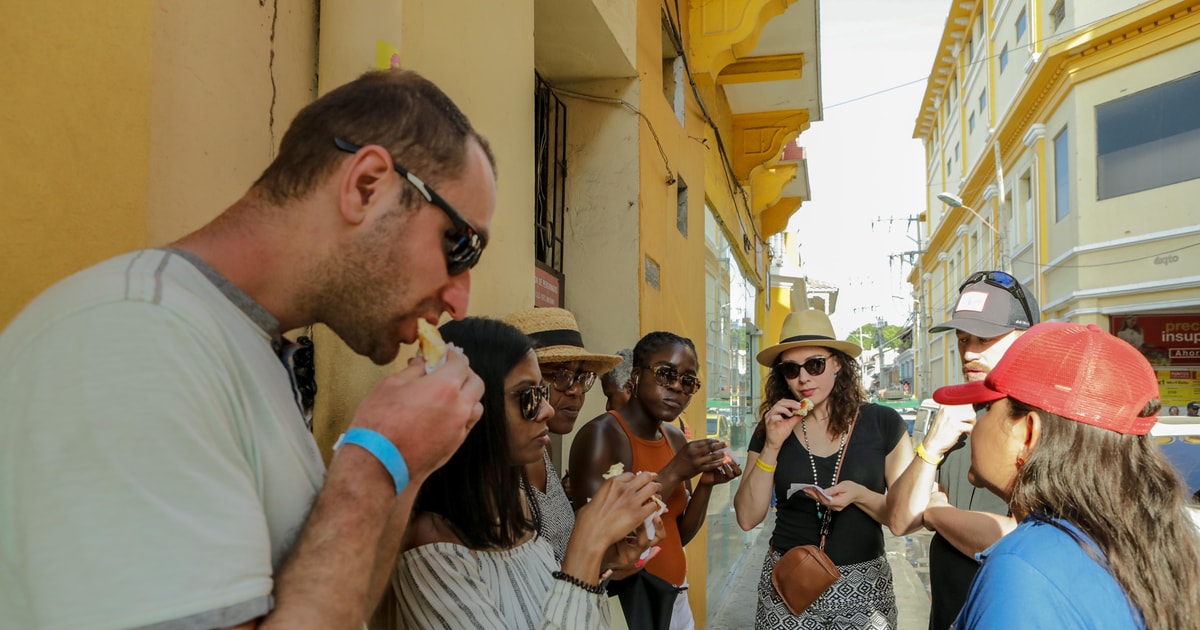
(764, 467)
(925, 456)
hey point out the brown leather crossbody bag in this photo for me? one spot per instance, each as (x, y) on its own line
(804, 573)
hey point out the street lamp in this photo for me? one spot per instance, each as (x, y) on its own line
(954, 201)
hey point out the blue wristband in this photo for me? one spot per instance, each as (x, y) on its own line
(382, 448)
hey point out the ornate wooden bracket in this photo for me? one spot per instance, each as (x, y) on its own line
(724, 30)
(766, 186)
(758, 138)
(774, 220)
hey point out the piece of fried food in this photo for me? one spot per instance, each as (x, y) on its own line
(806, 406)
(614, 470)
(433, 347)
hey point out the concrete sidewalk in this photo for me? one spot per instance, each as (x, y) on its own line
(906, 555)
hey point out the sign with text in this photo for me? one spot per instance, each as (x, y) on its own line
(547, 288)
(1165, 340)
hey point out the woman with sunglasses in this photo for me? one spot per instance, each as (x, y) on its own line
(865, 446)
(570, 371)
(640, 436)
(471, 557)
(1061, 434)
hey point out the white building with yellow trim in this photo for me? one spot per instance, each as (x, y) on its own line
(1072, 127)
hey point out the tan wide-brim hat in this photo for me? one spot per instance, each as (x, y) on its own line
(556, 339)
(811, 328)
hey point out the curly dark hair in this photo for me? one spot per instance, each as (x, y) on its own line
(845, 399)
(1122, 493)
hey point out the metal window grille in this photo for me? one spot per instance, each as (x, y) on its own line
(1058, 13)
(550, 158)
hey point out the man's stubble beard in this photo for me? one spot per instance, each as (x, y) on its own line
(354, 292)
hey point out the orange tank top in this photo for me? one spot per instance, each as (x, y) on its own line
(652, 456)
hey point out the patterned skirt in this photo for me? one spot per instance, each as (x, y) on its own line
(862, 598)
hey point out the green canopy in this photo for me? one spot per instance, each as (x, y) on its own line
(719, 402)
(903, 403)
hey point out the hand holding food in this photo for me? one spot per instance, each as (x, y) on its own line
(433, 347)
(782, 419)
(700, 456)
(427, 416)
(620, 506)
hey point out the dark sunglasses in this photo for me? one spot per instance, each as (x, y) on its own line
(563, 379)
(1004, 281)
(463, 243)
(815, 366)
(531, 400)
(668, 376)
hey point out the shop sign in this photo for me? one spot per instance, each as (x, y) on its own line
(547, 288)
(1165, 340)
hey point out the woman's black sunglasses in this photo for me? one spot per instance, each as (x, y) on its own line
(531, 400)
(462, 243)
(790, 370)
(1003, 281)
(667, 376)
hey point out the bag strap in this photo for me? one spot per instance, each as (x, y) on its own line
(828, 520)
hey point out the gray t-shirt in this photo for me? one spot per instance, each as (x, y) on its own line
(154, 464)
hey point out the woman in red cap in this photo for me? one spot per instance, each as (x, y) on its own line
(1103, 540)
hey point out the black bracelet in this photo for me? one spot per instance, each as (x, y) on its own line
(595, 589)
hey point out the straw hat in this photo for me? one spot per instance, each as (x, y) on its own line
(556, 338)
(807, 328)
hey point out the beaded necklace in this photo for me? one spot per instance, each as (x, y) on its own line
(813, 462)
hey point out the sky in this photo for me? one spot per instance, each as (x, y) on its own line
(866, 172)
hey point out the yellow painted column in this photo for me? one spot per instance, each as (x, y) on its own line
(73, 168)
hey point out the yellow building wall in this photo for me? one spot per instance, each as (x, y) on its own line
(496, 92)
(73, 162)
(678, 304)
(601, 249)
(227, 78)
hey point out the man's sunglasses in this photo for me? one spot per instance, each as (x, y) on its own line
(1003, 281)
(563, 379)
(790, 370)
(668, 376)
(463, 243)
(531, 400)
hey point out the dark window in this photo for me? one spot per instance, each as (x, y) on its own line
(983, 104)
(1004, 58)
(1021, 24)
(971, 122)
(550, 160)
(681, 205)
(652, 272)
(1149, 139)
(672, 67)
(1058, 13)
(1062, 175)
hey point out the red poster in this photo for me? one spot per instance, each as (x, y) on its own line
(546, 288)
(1164, 339)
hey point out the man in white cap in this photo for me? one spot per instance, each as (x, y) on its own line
(993, 309)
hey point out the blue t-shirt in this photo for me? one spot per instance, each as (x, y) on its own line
(1039, 576)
